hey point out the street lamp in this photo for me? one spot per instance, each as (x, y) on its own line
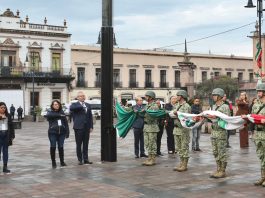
(33, 56)
(260, 15)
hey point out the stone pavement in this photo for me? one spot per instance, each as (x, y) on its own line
(32, 175)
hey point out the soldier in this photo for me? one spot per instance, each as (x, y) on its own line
(182, 135)
(150, 129)
(259, 108)
(219, 135)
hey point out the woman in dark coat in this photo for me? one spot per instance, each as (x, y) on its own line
(243, 109)
(57, 132)
(7, 134)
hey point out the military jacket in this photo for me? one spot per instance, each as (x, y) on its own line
(184, 108)
(259, 128)
(151, 123)
(218, 132)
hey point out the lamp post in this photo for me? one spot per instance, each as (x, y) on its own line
(33, 59)
(108, 133)
(260, 15)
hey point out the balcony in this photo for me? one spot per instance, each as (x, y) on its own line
(177, 85)
(133, 84)
(97, 84)
(163, 84)
(117, 84)
(149, 84)
(81, 83)
(39, 73)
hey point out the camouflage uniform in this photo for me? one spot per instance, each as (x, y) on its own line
(150, 129)
(218, 137)
(259, 140)
(181, 134)
(182, 137)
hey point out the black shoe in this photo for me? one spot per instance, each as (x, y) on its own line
(6, 170)
(80, 163)
(136, 156)
(87, 162)
(198, 149)
(54, 165)
(159, 154)
(63, 164)
(143, 155)
(228, 146)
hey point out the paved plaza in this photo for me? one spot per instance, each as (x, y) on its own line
(32, 175)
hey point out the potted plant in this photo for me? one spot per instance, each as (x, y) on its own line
(37, 112)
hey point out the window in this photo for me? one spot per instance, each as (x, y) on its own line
(80, 77)
(204, 76)
(229, 74)
(251, 77)
(216, 74)
(56, 95)
(8, 58)
(177, 79)
(132, 78)
(240, 76)
(56, 61)
(116, 75)
(163, 78)
(148, 78)
(98, 77)
(35, 60)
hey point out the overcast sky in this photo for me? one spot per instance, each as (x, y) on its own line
(148, 24)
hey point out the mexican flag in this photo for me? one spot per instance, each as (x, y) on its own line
(258, 56)
(256, 119)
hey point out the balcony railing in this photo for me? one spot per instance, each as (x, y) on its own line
(163, 84)
(45, 72)
(149, 84)
(117, 84)
(177, 85)
(81, 83)
(97, 83)
(133, 84)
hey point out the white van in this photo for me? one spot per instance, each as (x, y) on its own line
(95, 107)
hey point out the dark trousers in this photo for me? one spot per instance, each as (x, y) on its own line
(159, 138)
(12, 115)
(138, 141)
(4, 146)
(170, 138)
(82, 140)
(19, 116)
(56, 139)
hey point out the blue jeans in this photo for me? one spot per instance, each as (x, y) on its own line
(4, 146)
(196, 133)
(56, 138)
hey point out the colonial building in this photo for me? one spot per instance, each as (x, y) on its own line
(165, 72)
(35, 58)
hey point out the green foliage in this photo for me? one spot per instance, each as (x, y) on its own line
(38, 110)
(229, 85)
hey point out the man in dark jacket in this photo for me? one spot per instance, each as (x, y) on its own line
(19, 113)
(12, 111)
(83, 126)
(138, 126)
(169, 125)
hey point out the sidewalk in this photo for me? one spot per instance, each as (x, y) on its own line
(32, 175)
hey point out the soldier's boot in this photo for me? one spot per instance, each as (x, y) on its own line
(221, 173)
(184, 166)
(178, 166)
(152, 161)
(213, 175)
(261, 181)
(147, 160)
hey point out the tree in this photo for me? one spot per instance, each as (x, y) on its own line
(229, 85)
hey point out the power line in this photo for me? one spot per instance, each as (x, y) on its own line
(206, 37)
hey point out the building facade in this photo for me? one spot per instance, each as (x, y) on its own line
(35, 58)
(165, 72)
